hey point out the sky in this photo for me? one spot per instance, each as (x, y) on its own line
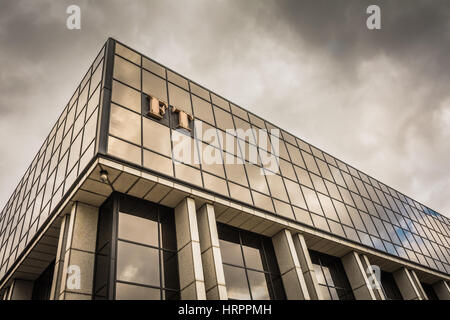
(376, 99)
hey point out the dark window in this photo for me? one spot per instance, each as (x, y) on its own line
(428, 288)
(146, 266)
(331, 277)
(390, 288)
(43, 285)
(250, 267)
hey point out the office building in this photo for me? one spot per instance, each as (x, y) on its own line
(150, 186)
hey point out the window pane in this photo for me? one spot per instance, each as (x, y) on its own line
(218, 101)
(236, 173)
(154, 86)
(240, 193)
(130, 292)
(156, 137)
(320, 222)
(153, 67)
(231, 253)
(177, 79)
(262, 201)
(199, 91)
(258, 285)
(126, 96)
(325, 293)
(185, 149)
(188, 174)
(276, 186)
(295, 194)
(125, 124)
(256, 178)
(252, 258)
(138, 229)
(215, 184)
(311, 200)
(303, 177)
(127, 72)
(124, 150)
(223, 119)
(127, 53)
(136, 263)
(202, 110)
(158, 163)
(180, 98)
(328, 207)
(237, 286)
(169, 270)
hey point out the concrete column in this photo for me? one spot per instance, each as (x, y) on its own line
(190, 269)
(59, 260)
(418, 285)
(5, 294)
(79, 254)
(9, 291)
(21, 290)
(406, 285)
(289, 265)
(373, 280)
(357, 276)
(307, 267)
(442, 290)
(211, 256)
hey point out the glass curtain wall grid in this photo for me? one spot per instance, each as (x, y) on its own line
(136, 256)
(250, 266)
(311, 186)
(109, 115)
(331, 277)
(66, 152)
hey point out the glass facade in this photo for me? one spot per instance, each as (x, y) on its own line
(333, 282)
(136, 255)
(307, 184)
(67, 150)
(250, 266)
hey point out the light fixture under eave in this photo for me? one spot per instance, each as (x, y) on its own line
(104, 176)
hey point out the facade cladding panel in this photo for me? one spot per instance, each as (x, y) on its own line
(131, 109)
(66, 152)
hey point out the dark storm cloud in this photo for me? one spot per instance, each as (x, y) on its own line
(378, 99)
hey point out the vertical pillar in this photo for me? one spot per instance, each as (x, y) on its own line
(406, 285)
(8, 294)
(442, 290)
(211, 256)
(21, 290)
(190, 269)
(59, 260)
(79, 254)
(374, 281)
(357, 277)
(4, 294)
(307, 267)
(418, 285)
(289, 265)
